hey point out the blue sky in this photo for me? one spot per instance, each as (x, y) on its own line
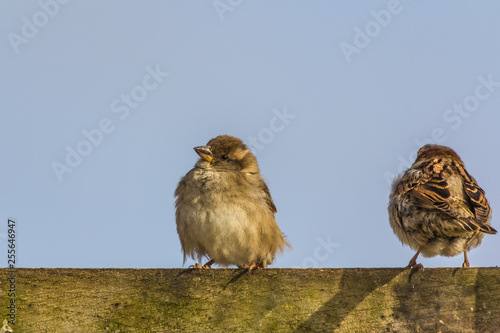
(102, 104)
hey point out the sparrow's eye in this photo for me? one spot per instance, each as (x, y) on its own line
(224, 157)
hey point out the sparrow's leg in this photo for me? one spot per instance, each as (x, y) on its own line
(206, 266)
(466, 261)
(251, 267)
(413, 261)
(209, 264)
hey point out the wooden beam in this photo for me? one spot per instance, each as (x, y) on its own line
(159, 300)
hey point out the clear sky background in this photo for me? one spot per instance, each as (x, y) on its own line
(334, 98)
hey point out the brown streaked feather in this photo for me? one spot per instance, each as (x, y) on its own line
(430, 190)
(267, 194)
(410, 180)
(477, 198)
(429, 197)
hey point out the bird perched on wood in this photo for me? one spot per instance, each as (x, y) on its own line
(224, 210)
(436, 207)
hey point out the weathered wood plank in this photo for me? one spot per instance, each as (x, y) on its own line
(343, 300)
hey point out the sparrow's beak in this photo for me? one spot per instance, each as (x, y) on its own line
(204, 152)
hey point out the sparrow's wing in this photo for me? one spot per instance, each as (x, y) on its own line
(429, 189)
(267, 196)
(478, 200)
(411, 179)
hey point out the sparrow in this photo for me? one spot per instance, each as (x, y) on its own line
(224, 210)
(437, 208)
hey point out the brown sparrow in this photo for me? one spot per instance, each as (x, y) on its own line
(436, 207)
(224, 210)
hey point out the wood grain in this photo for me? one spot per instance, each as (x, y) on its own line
(300, 300)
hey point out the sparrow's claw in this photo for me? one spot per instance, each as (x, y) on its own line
(415, 266)
(208, 265)
(252, 267)
(413, 261)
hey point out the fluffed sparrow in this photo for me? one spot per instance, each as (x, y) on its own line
(224, 210)
(437, 208)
